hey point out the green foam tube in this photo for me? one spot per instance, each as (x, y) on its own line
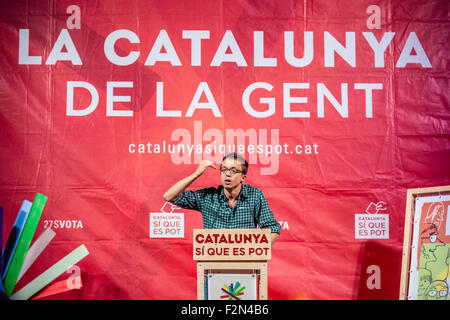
(24, 243)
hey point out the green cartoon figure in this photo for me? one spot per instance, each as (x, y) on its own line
(437, 290)
(424, 282)
(433, 266)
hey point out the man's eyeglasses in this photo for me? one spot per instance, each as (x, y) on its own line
(233, 171)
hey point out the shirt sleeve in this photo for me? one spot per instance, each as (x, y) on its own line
(265, 216)
(189, 200)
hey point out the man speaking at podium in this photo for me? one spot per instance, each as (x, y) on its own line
(232, 205)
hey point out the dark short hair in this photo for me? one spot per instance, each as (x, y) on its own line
(240, 159)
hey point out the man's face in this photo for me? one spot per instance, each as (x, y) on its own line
(232, 177)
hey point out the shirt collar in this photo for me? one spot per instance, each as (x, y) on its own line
(242, 195)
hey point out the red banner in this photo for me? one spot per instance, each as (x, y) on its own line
(338, 106)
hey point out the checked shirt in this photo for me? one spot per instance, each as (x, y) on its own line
(250, 210)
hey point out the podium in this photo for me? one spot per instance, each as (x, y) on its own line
(227, 259)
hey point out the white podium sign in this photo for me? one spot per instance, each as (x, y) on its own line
(232, 286)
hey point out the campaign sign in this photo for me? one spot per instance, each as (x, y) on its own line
(166, 225)
(371, 226)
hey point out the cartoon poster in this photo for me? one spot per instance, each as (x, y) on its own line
(429, 271)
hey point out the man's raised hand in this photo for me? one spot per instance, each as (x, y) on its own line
(203, 165)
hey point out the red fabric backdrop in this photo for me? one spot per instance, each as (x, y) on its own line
(95, 177)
